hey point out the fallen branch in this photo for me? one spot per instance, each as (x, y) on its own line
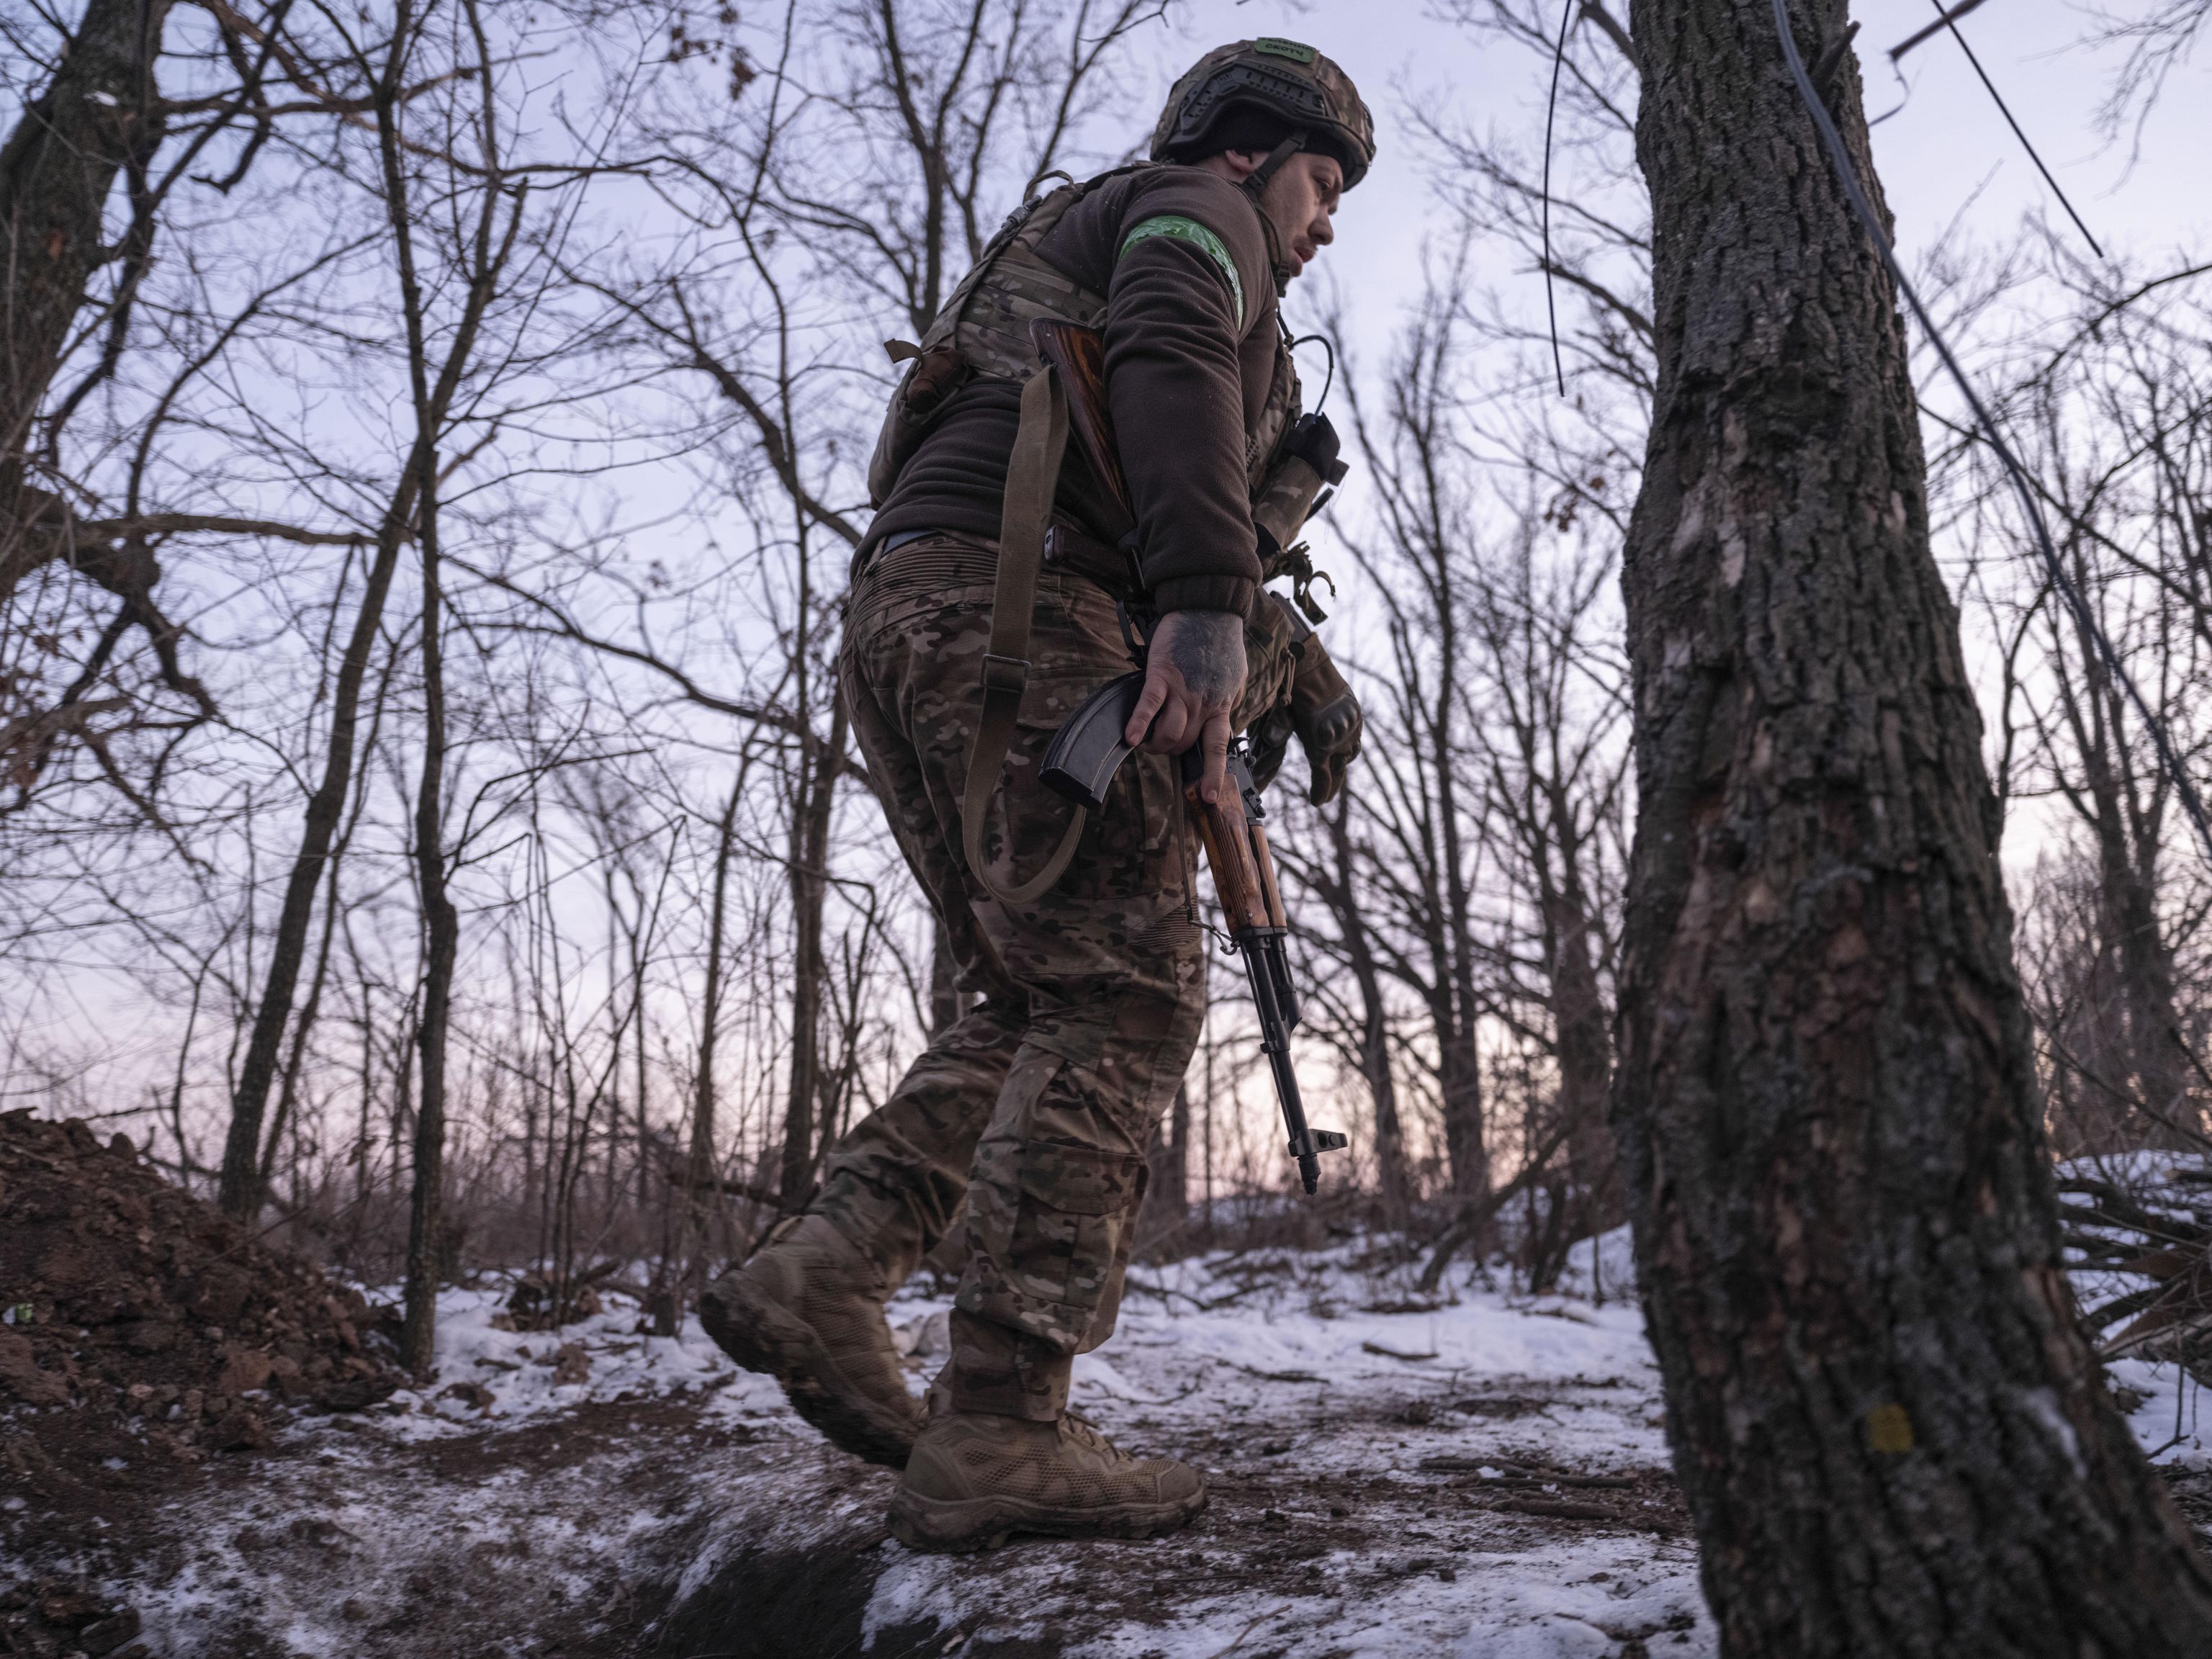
(1564, 1509)
(1391, 1353)
(1518, 1475)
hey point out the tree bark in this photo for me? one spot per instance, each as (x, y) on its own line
(1891, 1434)
(101, 111)
(99, 116)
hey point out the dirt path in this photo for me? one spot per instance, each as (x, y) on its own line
(1481, 1482)
(1367, 1500)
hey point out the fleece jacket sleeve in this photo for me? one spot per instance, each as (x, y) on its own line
(1189, 286)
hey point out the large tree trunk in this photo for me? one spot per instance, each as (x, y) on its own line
(1891, 1433)
(101, 113)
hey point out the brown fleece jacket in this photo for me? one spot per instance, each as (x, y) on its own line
(1187, 376)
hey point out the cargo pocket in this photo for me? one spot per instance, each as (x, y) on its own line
(1077, 1204)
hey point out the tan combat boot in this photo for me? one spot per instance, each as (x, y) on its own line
(974, 1479)
(808, 1309)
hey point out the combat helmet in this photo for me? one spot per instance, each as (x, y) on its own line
(1285, 78)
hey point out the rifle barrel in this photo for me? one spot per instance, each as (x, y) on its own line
(1266, 966)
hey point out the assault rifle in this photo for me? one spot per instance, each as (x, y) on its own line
(1080, 763)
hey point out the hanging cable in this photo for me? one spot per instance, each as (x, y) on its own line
(1847, 175)
(1951, 21)
(1322, 340)
(1551, 109)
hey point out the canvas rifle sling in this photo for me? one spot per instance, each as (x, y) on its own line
(1032, 478)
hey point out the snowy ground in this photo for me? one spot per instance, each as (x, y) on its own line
(1480, 1478)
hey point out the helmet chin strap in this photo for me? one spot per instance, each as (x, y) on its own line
(1255, 184)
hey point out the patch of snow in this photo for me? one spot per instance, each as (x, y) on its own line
(912, 1588)
(1601, 1268)
(2167, 1422)
(1357, 1434)
(1316, 1391)
(1590, 1601)
(1094, 1374)
(923, 1333)
(521, 1370)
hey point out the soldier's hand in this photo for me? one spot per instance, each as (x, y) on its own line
(1193, 673)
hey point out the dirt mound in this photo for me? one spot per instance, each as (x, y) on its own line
(61, 1616)
(126, 1300)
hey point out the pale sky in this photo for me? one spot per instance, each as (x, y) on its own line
(1946, 144)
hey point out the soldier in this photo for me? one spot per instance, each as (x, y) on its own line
(1077, 948)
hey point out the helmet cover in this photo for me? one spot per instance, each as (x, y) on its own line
(1286, 78)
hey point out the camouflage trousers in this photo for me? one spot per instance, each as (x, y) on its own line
(1037, 1103)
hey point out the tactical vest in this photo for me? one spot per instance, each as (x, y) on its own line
(983, 333)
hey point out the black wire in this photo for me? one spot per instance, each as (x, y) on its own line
(1551, 109)
(1847, 175)
(1324, 339)
(1950, 22)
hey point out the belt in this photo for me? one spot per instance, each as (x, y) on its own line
(891, 544)
(1065, 548)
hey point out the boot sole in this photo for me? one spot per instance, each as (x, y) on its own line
(957, 1526)
(758, 1332)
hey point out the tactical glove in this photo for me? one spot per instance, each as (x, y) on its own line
(1326, 718)
(1322, 713)
(1270, 740)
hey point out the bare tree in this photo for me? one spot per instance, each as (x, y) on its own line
(1553, 710)
(1421, 801)
(2119, 425)
(1891, 1433)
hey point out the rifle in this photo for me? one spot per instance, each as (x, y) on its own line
(1080, 763)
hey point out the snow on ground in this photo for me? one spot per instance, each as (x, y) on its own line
(2167, 1410)
(1368, 1439)
(527, 1377)
(1481, 1475)
(1477, 1477)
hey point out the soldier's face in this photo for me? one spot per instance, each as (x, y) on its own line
(1301, 199)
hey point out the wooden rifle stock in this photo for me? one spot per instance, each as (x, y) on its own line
(1079, 356)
